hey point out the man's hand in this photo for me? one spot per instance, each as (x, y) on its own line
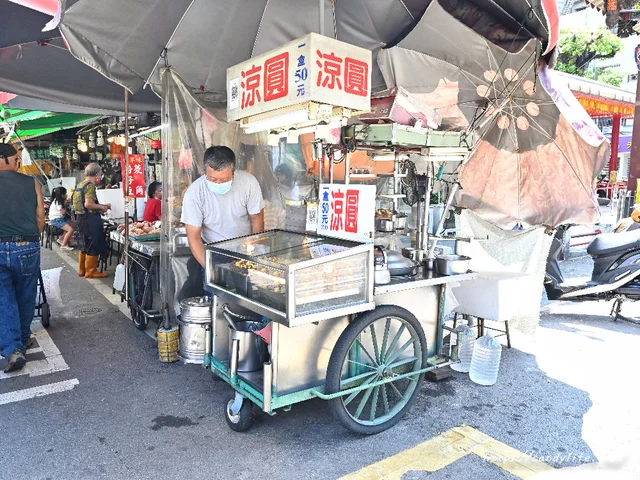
(194, 235)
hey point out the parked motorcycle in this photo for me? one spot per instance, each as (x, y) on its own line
(615, 276)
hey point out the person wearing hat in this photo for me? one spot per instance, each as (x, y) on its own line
(21, 222)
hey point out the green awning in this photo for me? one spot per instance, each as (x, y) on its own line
(14, 116)
(60, 121)
(36, 123)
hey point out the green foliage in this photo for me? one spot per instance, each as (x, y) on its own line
(611, 76)
(580, 46)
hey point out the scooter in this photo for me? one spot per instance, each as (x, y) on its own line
(615, 276)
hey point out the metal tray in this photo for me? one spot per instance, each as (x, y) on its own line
(150, 237)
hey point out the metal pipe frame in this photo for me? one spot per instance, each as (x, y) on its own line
(126, 190)
(267, 386)
(424, 237)
(233, 367)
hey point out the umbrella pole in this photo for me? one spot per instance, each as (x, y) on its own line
(126, 194)
(321, 10)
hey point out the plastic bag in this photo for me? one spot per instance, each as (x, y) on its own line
(51, 284)
(118, 278)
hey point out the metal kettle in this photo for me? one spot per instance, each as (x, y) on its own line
(381, 274)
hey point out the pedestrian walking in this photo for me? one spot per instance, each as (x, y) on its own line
(21, 222)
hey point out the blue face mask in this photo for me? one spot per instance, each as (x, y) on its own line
(220, 188)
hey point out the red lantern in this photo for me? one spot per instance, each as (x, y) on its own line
(156, 144)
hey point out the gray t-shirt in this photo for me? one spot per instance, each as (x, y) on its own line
(222, 216)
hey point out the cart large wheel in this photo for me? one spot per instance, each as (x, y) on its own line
(242, 421)
(386, 342)
(45, 315)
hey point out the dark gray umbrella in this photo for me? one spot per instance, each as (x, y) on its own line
(126, 40)
(49, 72)
(38, 67)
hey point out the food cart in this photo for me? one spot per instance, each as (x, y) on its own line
(302, 315)
(143, 280)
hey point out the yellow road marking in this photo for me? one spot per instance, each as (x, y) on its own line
(445, 449)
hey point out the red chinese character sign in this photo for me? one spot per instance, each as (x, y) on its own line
(135, 176)
(313, 68)
(347, 211)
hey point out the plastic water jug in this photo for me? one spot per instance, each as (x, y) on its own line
(465, 349)
(485, 362)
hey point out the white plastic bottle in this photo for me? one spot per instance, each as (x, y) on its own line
(465, 349)
(485, 361)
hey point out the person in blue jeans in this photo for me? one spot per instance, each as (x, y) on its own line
(21, 222)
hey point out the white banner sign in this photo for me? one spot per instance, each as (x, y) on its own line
(312, 68)
(347, 211)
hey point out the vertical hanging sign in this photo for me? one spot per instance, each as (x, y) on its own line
(135, 176)
(347, 211)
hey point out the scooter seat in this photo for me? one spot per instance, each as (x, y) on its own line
(607, 243)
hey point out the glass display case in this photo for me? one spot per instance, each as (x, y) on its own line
(292, 278)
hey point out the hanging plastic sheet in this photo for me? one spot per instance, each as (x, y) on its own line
(190, 127)
(514, 251)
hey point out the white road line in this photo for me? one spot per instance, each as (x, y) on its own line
(35, 392)
(35, 368)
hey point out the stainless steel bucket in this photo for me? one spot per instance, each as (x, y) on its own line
(250, 348)
(194, 318)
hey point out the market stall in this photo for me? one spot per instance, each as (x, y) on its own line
(333, 309)
(142, 272)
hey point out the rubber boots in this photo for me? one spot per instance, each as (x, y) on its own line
(92, 268)
(82, 267)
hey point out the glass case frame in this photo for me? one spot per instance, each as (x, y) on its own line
(289, 316)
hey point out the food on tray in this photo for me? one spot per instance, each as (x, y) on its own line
(381, 213)
(137, 229)
(243, 266)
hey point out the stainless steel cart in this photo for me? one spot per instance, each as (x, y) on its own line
(143, 280)
(331, 333)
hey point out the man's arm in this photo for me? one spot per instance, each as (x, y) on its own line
(257, 222)
(194, 235)
(91, 205)
(39, 207)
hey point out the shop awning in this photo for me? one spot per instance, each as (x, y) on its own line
(600, 99)
(33, 124)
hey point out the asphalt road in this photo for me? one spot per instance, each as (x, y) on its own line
(565, 395)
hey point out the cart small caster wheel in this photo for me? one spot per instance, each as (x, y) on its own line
(243, 420)
(45, 315)
(140, 320)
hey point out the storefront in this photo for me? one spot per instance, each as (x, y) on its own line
(605, 102)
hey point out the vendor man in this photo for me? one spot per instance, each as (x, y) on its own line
(221, 204)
